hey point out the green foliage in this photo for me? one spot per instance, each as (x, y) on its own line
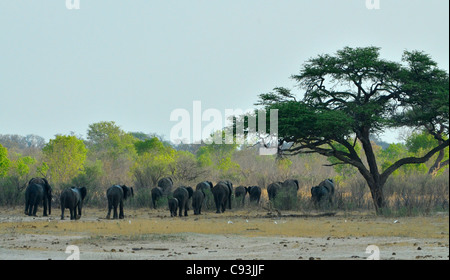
(395, 152)
(65, 157)
(219, 157)
(91, 178)
(109, 142)
(22, 165)
(154, 162)
(21, 170)
(150, 145)
(4, 161)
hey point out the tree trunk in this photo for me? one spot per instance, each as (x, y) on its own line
(376, 190)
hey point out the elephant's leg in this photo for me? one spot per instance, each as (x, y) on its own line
(115, 215)
(180, 210)
(186, 208)
(45, 208)
(108, 216)
(121, 215)
(216, 200)
(79, 210)
(35, 207)
(26, 206)
(62, 212)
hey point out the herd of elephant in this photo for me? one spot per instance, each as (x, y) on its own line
(39, 192)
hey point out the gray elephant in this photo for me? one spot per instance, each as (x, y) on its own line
(166, 184)
(240, 192)
(230, 191)
(173, 206)
(254, 193)
(157, 193)
(183, 194)
(38, 192)
(222, 196)
(324, 191)
(116, 195)
(291, 185)
(273, 189)
(205, 185)
(72, 198)
(197, 201)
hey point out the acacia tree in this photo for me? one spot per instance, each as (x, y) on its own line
(353, 95)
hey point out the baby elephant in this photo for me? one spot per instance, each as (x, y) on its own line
(72, 198)
(173, 207)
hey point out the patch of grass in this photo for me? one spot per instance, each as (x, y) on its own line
(145, 227)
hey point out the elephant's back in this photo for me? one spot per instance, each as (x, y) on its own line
(114, 191)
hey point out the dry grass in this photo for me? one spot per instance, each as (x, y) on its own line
(141, 224)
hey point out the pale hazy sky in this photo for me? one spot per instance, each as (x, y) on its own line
(134, 62)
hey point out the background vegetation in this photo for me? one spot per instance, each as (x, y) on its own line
(110, 155)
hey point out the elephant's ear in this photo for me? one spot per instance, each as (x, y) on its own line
(171, 180)
(296, 182)
(45, 181)
(190, 191)
(125, 191)
(210, 184)
(83, 192)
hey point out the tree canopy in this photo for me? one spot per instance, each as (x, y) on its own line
(354, 94)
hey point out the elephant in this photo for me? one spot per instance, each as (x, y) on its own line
(222, 196)
(157, 193)
(197, 201)
(254, 193)
(173, 206)
(72, 198)
(325, 190)
(273, 189)
(183, 194)
(116, 195)
(38, 191)
(290, 185)
(240, 191)
(205, 185)
(166, 184)
(230, 191)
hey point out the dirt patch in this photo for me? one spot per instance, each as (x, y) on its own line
(239, 234)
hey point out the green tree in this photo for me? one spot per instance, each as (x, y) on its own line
(219, 156)
(21, 170)
(154, 162)
(4, 161)
(65, 157)
(109, 141)
(419, 142)
(115, 148)
(355, 93)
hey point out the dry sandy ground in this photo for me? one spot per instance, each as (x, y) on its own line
(240, 234)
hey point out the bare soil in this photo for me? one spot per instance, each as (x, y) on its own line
(246, 234)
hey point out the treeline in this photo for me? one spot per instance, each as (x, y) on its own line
(109, 156)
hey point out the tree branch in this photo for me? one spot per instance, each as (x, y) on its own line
(410, 160)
